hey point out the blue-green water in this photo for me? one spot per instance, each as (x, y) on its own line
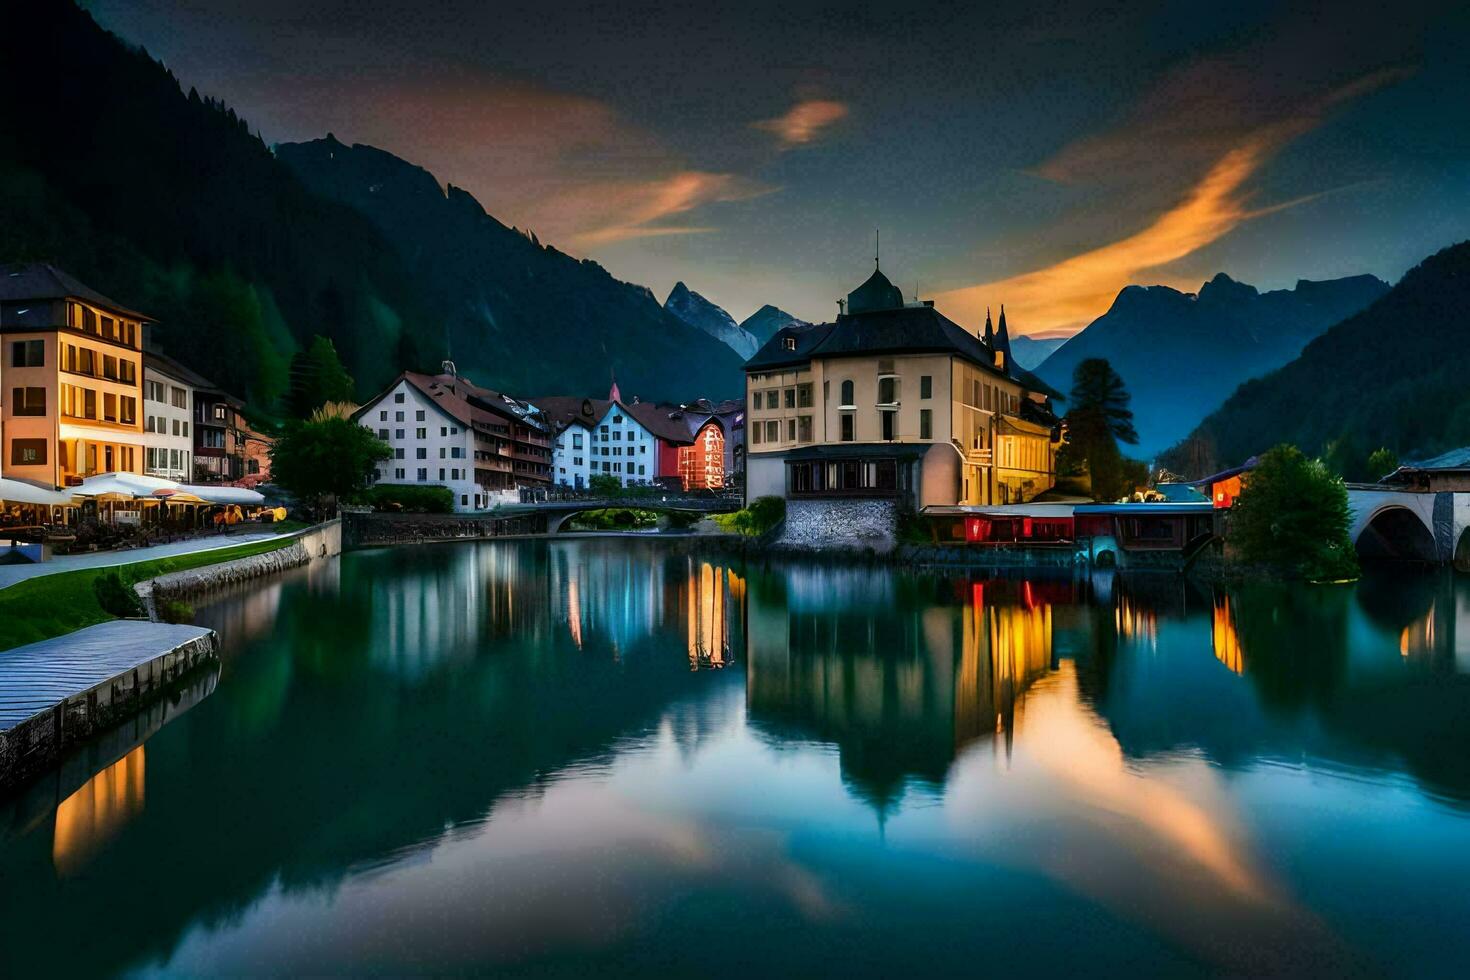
(597, 758)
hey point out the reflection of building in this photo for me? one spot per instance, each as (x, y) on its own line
(1223, 638)
(900, 686)
(90, 817)
(708, 594)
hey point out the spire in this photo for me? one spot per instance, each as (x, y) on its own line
(613, 394)
(1002, 345)
(989, 336)
(876, 241)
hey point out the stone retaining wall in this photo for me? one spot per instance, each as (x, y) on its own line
(313, 544)
(377, 530)
(861, 524)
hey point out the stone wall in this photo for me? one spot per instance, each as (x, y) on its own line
(840, 524)
(377, 530)
(313, 544)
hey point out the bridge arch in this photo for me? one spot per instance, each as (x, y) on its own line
(1396, 533)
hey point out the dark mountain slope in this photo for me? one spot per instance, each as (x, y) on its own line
(703, 315)
(516, 314)
(168, 202)
(1392, 375)
(1182, 354)
(764, 322)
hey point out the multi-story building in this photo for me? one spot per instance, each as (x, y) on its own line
(446, 431)
(637, 442)
(168, 414)
(72, 378)
(896, 400)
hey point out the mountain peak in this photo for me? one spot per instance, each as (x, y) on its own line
(701, 314)
(1223, 289)
(765, 322)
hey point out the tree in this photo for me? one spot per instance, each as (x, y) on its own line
(1381, 462)
(326, 459)
(1098, 419)
(317, 377)
(1293, 515)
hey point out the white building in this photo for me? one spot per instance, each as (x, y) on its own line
(446, 432)
(432, 445)
(603, 436)
(571, 454)
(623, 447)
(168, 407)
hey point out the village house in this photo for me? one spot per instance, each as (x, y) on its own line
(168, 411)
(446, 431)
(895, 401)
(72, 378)
(638, 443)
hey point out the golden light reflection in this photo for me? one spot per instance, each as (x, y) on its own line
(1224, 639)
(574, 611)
(87, 819)
(1004, 648)
(1417, 638)
(1135, 622)
(708, 624)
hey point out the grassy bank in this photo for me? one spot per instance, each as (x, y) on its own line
(53, 605)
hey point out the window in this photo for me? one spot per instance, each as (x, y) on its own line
(757, 435)
(804, 396)
(179, 397)
(221, 411)
(398, 416)
(383, 434)
(28, 401)
(773, 431)
(464, 500)
(617, 420)
(398, 473)
(86, 361)
(888, 391)
(28, 353)
(790, 397)
(421, 453)
(398, 398)
(109, 407)
(791, 430)
(926, 386)
(398, 453)
(849, 424)
(27, 452)
(456, 452)
(128, 411)
(890, 424)
(421, 433)
(397, 433)
(443, 431)
(442, 452)
(109, 367)
(176, 426)
(153, 391)
(804, 429)
(423, 475)
(926, 423)
(383, 416)
(576, 440)
(847, 395)
(418, 416)
(441, 472)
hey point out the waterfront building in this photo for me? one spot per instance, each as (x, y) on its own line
(168, 411)
(639, 443)
(717, 428)
(894, 400)
(72, 378)
(446, 431)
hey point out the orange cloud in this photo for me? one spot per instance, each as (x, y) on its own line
(804, 121)
(636, 209)
(1070, 293)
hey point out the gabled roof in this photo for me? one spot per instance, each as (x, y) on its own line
(662, 421)
(565, 410)
(168, 366)
(913, 329)
(44, 281)
(1455, 459)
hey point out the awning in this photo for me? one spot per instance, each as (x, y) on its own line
(21, 492)
(223, 495)
(129, 486)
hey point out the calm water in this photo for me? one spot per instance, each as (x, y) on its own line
(596, 758)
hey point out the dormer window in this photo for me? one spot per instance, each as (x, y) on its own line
(789, 343)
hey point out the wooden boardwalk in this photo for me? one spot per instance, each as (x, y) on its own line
(58, 692)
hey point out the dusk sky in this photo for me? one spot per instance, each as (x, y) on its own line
(1037, 155)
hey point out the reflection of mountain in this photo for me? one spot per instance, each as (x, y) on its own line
(900, 687)
(1379, 684)
(349, 737)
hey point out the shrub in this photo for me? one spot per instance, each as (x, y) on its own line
(1293, 515)
(758, 517)
(116, 597)
(176, 611)
(605, 484)
(410, 499)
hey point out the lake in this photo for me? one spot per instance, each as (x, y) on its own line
(606, 757)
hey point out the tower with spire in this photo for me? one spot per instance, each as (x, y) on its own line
(613, 395)
(1002, 344)
(989, 336)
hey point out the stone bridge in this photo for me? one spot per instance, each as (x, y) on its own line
(1410, 526)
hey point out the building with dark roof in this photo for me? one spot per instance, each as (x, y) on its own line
(895, 400)
(638, 443)
(72, 373)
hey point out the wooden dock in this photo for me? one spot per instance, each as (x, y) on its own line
(60, 692)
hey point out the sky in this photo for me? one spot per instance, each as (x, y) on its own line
(1038, 155)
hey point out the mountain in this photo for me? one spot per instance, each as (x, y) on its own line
(1391, 375)
(1032, 351)
(168, 203)
(701, 314)
(1182, 354)
(764, 322)
(516, 314)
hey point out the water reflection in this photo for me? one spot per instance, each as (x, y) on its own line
(571, 757)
